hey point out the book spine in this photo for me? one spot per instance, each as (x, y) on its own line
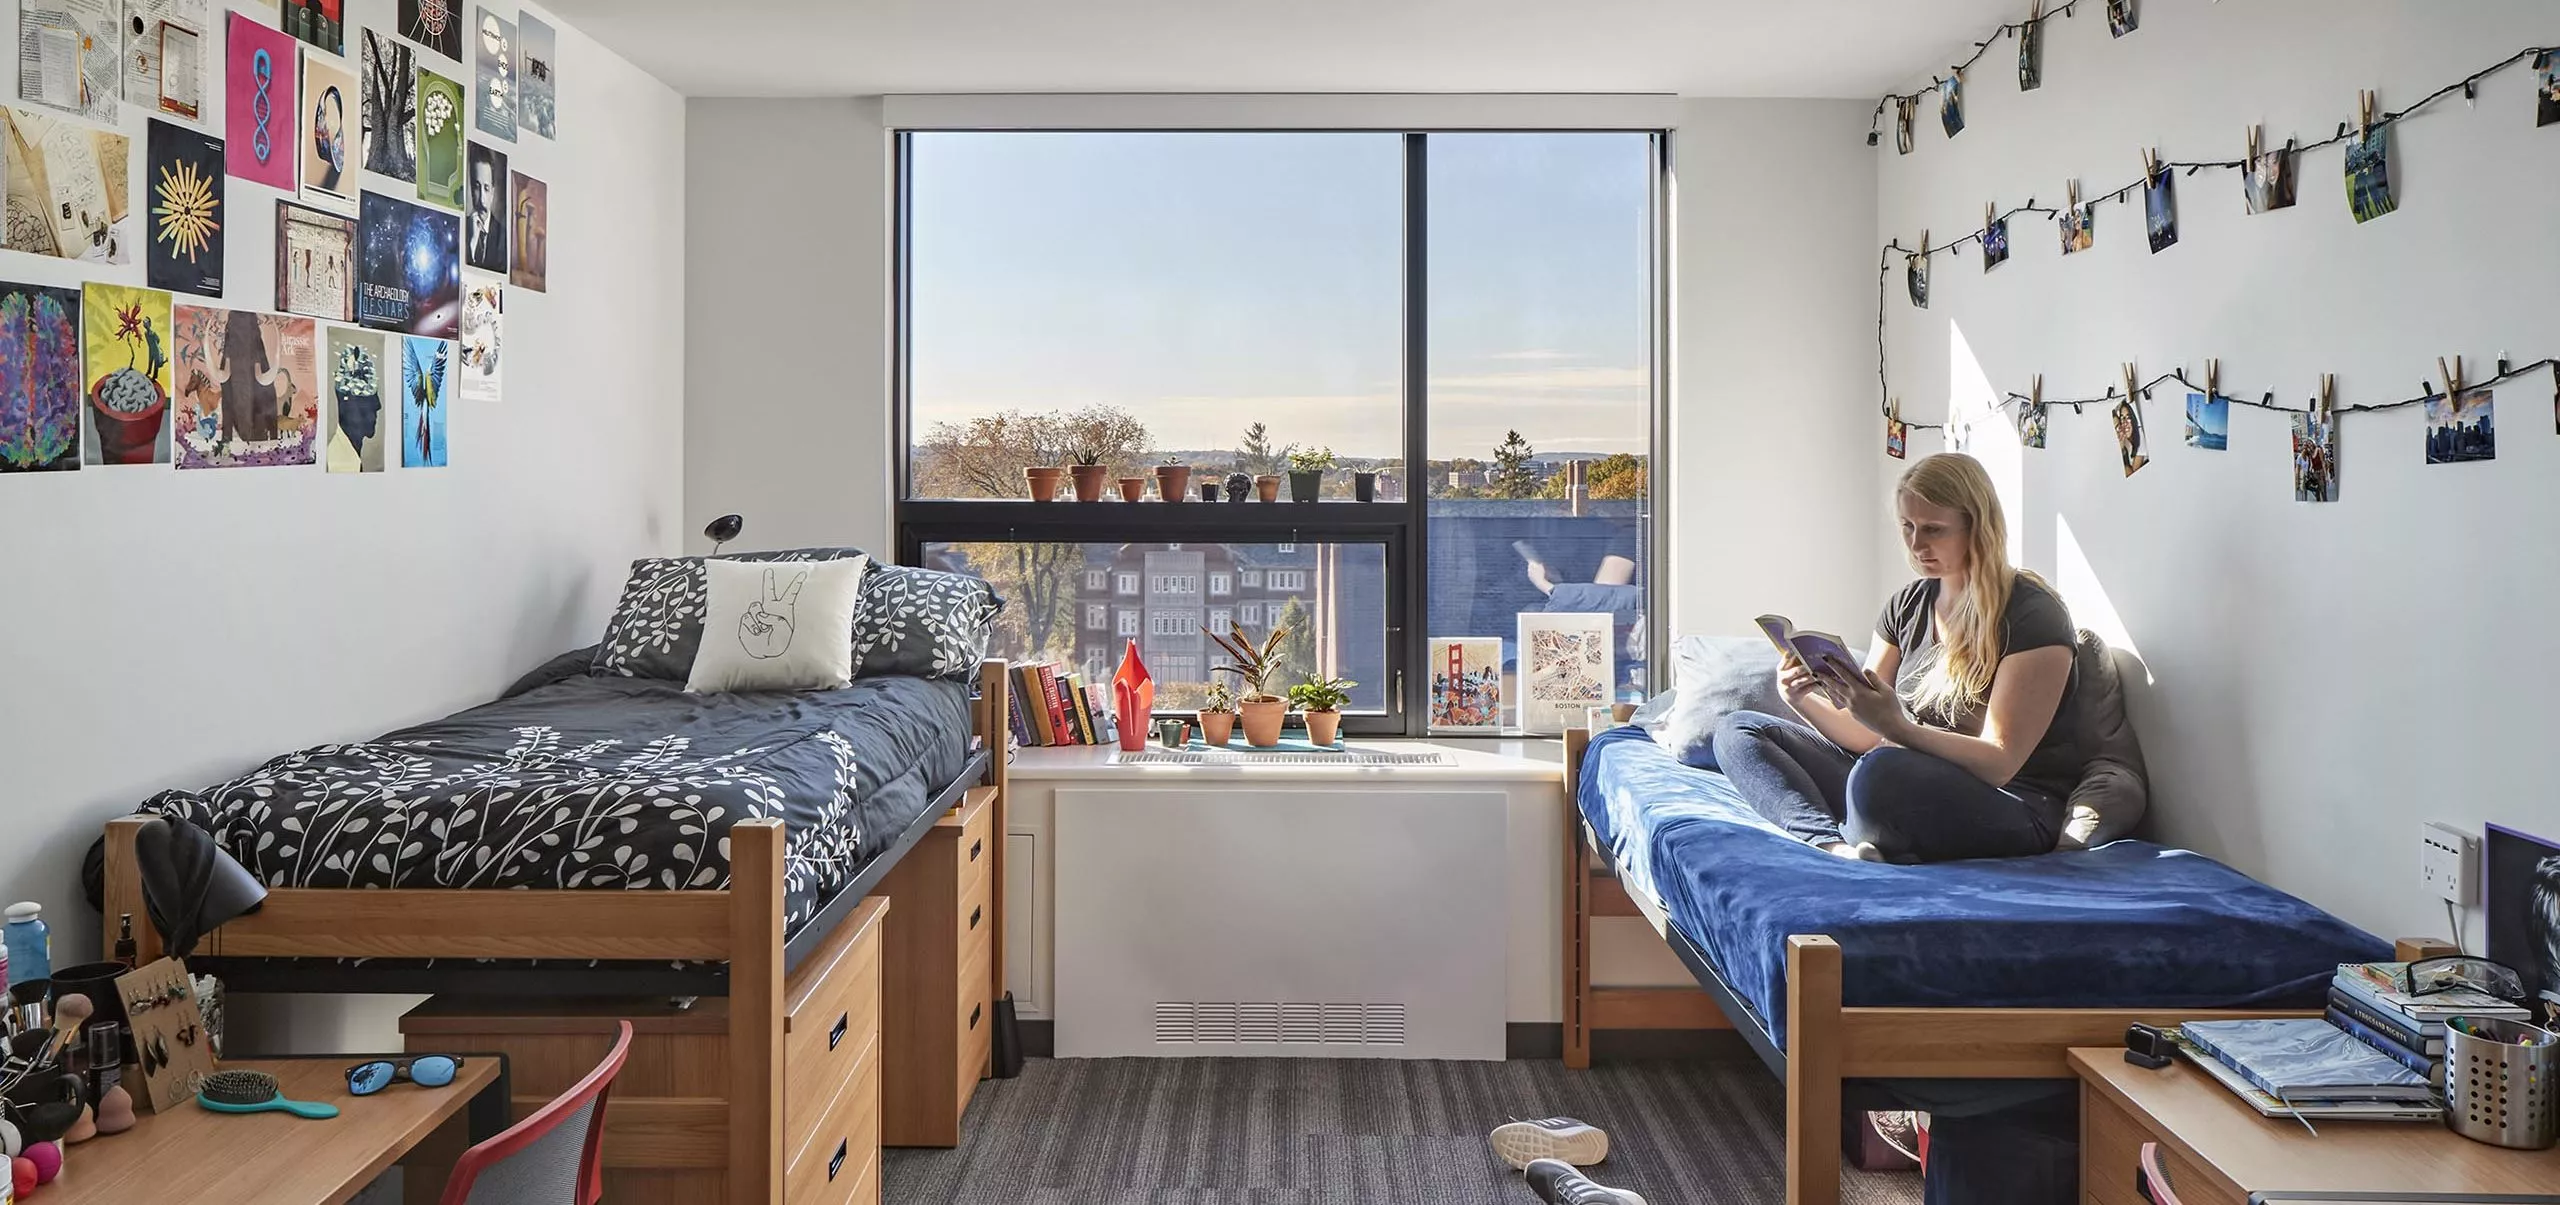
(1083, 710)
(1038, 706)
(2391, 1023)
(2370, 1036)
(2364, 992)
(1057, 713)
(1013, 717)
(1106, 726)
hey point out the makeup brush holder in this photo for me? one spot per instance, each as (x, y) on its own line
(44, 1105)
(2502, 1083)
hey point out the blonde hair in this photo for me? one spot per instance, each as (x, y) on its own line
(1959, 678)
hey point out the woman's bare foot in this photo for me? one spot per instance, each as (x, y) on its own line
(1861, 851)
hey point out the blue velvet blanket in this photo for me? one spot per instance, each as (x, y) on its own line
(2129, 924)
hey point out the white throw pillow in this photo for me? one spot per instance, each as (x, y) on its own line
(770, 625)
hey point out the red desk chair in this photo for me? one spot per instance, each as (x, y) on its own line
(553, 1157)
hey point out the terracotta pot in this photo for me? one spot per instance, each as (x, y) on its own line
(1216, 727)
(1043, 482)
(1262, 720)
(128, 436)
(1173, 482)
(1364, 487)
(1267, 487)
(1305, 486)
(1133, 489)
(1323, 727)
(1089, 479)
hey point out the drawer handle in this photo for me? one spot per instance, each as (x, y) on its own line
(977, 847)
(837, 1164)
(837, 1034)
(974, 1011)
(976, 914)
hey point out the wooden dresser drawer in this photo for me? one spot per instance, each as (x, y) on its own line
(843, 1150)
(974, 852)
(831, 1015)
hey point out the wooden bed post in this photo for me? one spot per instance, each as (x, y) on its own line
(123, 894)
(1813, 1071)
(755, 1012)
(1577, 911)
(994, 718)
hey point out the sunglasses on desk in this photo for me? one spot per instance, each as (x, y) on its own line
(424, 1070)
(2430, 976)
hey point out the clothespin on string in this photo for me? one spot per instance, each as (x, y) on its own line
(2452, 378)
(2325, 404)
(2132, 384)
(2364, 113)
(2212, 380)
(2150, 165)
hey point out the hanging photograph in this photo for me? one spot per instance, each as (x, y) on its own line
(124, 357)
(1904, 110)
(2209, 422)
(390, 108)
(426, 400)
(484, 311)
(537, 52)
(530, 249)
(2266, 179)
(248, 388)
(69, 54)
(1897, 438)
(164, 55)
(434, 24)
(1915, 277)
(493, 75)
(2031, 424)
(1466, 685)
(1564, 668)
(185, 170)
(328, 165)
(39, 379)
(2160, 209)
(439, 140)
(408, 268)
(2031, 51)
(2546, 89)
(1951, 104)
(2315, 458)
(2129, 438)
(1995, 243)
(352, 371)
(258, 104)
(2369, 175)
(2079, 227)
(315, 262)
(2121, 17)
(2461, 427)
(484, 216)
(322, 23)
(66, 190)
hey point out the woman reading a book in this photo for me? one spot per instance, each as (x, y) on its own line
(1959, 738)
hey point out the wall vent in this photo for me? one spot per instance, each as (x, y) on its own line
(1287, 1022)
(1218, 757)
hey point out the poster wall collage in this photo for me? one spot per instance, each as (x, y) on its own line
(383, 199)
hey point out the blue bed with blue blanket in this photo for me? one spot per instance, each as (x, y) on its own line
(2126, 925)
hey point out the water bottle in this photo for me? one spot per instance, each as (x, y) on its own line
(30, 944)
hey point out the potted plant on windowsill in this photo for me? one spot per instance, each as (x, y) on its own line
(1218, 715)
(1364, 486)
(1306, 472)
(1266, 487)
(1133, 489)
(1322, 699)
(1089, 472)
(1043, 481)
(1173, 480)
(1262, 711)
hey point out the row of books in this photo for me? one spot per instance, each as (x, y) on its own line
(2377, 1054)
(1053, 706)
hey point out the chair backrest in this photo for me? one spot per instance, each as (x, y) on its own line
(552, 1157)
(2152, 1180)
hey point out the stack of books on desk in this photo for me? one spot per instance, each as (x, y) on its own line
(2308, 1068)
(2365, 1000)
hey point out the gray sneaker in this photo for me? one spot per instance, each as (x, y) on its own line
(1557, 1183)
(1519, 1143)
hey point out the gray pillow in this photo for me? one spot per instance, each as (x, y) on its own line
(2115, 789)
(1712, 677)
(922, 623)
(657, 627)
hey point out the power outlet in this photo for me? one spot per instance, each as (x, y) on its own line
(2448, 863)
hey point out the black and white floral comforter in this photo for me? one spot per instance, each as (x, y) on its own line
(603, 783)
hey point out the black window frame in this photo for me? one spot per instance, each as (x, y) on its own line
(1400, 528)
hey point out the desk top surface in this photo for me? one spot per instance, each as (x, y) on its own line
(2209, 1126)
(269, 1158)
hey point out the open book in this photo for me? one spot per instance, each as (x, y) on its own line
(1821, 652)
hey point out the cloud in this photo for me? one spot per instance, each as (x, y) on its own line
(1538, 355)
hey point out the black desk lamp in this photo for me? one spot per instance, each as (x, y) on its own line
(722, 530)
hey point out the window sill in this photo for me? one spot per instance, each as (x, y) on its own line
(1530, 760)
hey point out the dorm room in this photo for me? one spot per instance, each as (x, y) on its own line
(1672, 602)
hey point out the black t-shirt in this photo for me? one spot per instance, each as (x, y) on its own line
(2036, 619)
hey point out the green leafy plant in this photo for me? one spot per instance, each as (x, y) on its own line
(1310, 460)
(1221, 700)
(1252, 664)
(1321, 694)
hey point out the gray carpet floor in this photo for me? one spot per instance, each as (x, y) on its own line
(1352, 1132)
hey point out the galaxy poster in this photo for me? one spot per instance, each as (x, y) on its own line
(409, 268)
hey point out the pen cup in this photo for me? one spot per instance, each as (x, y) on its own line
(2502, 1082)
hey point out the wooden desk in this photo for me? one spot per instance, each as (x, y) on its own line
(2217, 1150)
(210, 1158)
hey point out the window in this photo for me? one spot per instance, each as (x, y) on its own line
(1221, 619)
(1472, 321)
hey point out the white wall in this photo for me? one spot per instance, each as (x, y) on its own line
(2324, 677)
(167, 629)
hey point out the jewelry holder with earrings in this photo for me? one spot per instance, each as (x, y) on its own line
(168, 1033)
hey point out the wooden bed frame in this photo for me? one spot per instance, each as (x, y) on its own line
(1826, 1042)
(741, 926)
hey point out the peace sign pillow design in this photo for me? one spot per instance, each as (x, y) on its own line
(777, 625)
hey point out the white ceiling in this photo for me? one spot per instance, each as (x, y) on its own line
(1693, 47)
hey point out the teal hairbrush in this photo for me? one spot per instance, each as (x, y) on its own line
(254, 1092)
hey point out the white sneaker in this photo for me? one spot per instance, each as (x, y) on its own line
(1518, 1143)
(1559, 1184)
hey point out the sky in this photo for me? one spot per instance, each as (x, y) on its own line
(1205, 281)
